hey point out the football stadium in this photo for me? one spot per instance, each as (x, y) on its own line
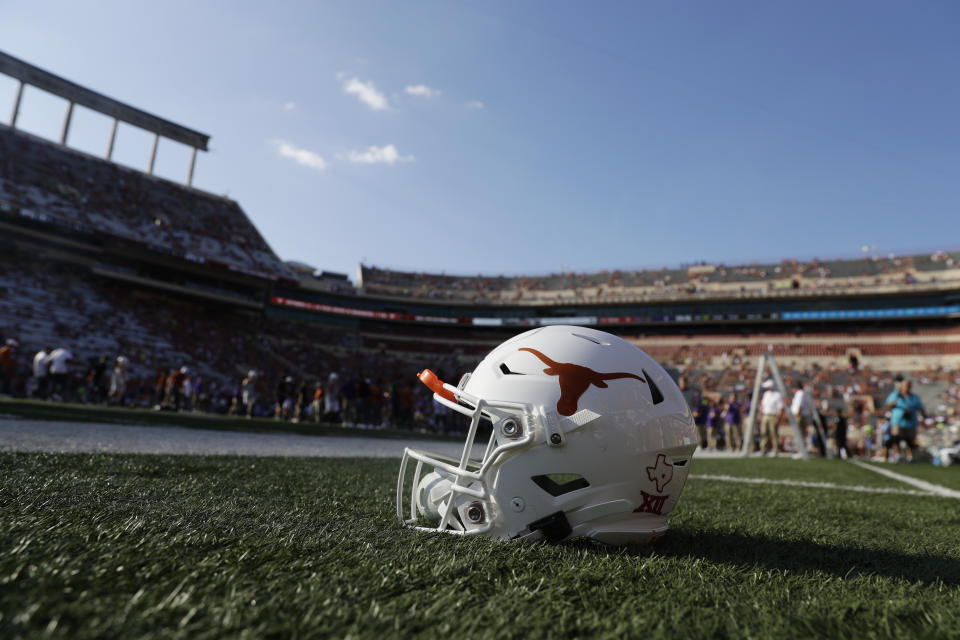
(201, 439)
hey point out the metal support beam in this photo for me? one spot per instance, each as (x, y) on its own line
(754, 407)
(193, 163)
(16, 107)
(46, 81)
(153, 153)
(66, 125)
(113, 139)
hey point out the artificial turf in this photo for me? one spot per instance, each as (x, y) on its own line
(176, 546)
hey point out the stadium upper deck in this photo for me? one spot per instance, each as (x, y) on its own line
(47, 182)
(937, 271)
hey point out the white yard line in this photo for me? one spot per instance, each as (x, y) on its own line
(929, 487)
(814, 485)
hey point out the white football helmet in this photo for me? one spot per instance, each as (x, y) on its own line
(590, 437)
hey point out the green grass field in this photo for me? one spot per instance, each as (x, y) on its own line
(202, 547)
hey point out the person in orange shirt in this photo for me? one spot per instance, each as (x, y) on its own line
(318, 402)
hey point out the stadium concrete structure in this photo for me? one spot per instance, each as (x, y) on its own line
(115, 260)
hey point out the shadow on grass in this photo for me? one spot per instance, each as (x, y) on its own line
(750, 551)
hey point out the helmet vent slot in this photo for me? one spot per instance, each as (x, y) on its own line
(506, 370)
(593, 340)
(679, 463)
(557, 484)
(655, 394)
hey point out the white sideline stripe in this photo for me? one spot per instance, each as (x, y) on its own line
(922, 484)
(812, 485)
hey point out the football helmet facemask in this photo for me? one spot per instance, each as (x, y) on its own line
(589, 437)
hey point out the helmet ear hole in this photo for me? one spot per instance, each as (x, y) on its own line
(511, 428)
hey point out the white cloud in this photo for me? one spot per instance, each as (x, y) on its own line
(300, 156)
(421, 90)
(366, 93)
(289, 106)
(475, 104)
(386, 154)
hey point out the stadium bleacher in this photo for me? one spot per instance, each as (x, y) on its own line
(84, 303)
(44, 181)
(786, 278)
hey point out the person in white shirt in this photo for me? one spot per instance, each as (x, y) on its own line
(248, 392)
(118, 381)
(772, 408)
(59, 358)
(41, 370)
(802, 409)
(331, 397)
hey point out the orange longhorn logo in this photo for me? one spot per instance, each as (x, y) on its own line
(575, 379)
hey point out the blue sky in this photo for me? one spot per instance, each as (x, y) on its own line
(533, 137)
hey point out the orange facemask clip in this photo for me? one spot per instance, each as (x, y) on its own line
(430, 379)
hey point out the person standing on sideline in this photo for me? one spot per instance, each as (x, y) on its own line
(686, 391)
(840, 435)
(904, 407)
(7, 366)
(802, 409)
(714, 424)
(732, 421)
(248, 392)
(701, 407)
(174, 399)
(59, 359)
(772, 408)
(41, 372)
(118, 381)
(284, 394)
(331, 398)
(301, 401)
(318, 402)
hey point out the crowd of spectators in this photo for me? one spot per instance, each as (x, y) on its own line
(850, 402)
(789, 276)
(74, 336)
(51, 183)
(69, 335)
